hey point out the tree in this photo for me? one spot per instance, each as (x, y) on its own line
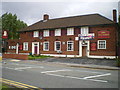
(119, 32)
(12, 24)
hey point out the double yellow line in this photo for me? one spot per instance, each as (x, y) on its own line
(19, 85)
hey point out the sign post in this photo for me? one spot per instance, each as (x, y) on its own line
(4, 38)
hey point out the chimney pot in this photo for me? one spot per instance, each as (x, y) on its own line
(46, 17)
(115, 15)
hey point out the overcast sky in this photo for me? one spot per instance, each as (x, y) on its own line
(31, 12)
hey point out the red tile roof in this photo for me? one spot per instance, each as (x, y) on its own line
(83, 20)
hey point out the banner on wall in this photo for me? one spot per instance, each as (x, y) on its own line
(103, 34)
(93, 46)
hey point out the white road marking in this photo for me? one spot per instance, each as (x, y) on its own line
(27, 65)
(97, 76)
(56, 71)
(84, 78)
(75, 77)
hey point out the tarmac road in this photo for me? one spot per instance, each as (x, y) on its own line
(55, 75)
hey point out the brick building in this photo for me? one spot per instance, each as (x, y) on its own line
(92, 35)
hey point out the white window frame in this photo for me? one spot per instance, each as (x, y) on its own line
(57, 32)
(99, 43)
(84, 30)
(72, 45)
(44, 46)
(25, 44)
(36, 34)
(55, 46)
(46, 33)
(70, 31)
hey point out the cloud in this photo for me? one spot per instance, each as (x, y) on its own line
(31, 12)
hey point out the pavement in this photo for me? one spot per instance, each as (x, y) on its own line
(108, 64)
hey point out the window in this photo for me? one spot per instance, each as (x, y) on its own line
(101, 44)
(57, 32)
(25, 46)
(70, 31)
(46, 33)
(70, 46)
(57, 45)
(46, 46)
(84, 30)
(36, 34)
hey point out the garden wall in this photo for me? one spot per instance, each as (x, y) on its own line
(15, 56)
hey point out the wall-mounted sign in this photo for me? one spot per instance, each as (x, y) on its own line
(93, 46)
(4, 34)
(20, 47)
(86, 36)
(103, 34)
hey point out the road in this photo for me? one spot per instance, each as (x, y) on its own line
(55, 75)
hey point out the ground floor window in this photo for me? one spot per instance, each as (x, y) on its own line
(25, 46)
(46, 46)
(101, 44)
(57, 45)
(70, 45)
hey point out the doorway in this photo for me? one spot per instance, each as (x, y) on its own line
(84, 51)
(35, 47)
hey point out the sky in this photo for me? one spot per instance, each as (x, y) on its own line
(31, 11)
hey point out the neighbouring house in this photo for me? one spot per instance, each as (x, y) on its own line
(93, 36)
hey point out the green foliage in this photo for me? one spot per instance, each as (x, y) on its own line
(119, 32)
(32, 57)
(12, 24)
(118, 62)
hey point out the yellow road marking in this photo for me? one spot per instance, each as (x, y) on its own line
(14, 84)
(18, 84)
(21, 83)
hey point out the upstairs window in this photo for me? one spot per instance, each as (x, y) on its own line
(46, 33)
(57, 32)
(36, 34)
(84, 30)
(70, 31)
(101, 44)
(25, 46)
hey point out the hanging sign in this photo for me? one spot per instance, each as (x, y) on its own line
(4, 34)
(103, 34)
(93, 46)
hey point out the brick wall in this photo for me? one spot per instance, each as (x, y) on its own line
(15, 56)
(109, 51)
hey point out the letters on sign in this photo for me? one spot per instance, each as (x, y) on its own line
(103, 34)
(93, 46)
(86, 36)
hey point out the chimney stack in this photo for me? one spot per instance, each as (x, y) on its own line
(115, 15)
(46, 17)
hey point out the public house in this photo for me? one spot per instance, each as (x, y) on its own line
(92, 36)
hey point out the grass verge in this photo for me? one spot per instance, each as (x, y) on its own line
(32, 57)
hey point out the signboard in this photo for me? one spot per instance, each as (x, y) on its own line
(4, 34)
(103, 34)
(86, 36)
(93, 46)
(20, 47)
